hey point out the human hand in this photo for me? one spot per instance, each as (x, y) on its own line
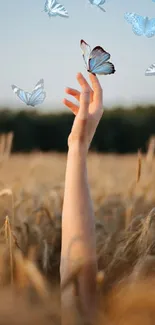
(88, 113)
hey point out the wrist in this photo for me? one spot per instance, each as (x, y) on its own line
(77, 149)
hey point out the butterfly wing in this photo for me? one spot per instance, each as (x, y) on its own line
(151, 70)
(104, 69)
(102, 2)
(86, 52)
(57, 9)
(47, 5)
(129, 17)
(150, 28)
(38, 98)
(138, 23)
(23, 95)
(38, 95)
(97, 57)
(97, 2)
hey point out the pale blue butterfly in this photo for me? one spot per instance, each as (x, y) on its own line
(96, 60)
(141, 25)
(98, 3)
(151, 70)
(53, 8)
(37, 96)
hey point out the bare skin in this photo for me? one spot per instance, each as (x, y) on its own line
(78, 222)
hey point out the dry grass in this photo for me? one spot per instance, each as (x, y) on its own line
(31, 197)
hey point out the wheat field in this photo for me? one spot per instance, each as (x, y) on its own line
(31, 198)
(37, 180)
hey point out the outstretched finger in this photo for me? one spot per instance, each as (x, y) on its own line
(83, 83)
(73, 92)
(74, 108)
(84, 97)
(98, 97)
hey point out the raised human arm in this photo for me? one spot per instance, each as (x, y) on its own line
(78, 225)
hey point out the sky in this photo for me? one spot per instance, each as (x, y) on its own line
(32, 47)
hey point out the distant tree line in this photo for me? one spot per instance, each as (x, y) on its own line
(120, 130)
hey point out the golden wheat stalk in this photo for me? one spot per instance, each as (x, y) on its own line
(139, 166)
(144, 237)
(150, 151)
(27, 274)
(8, 192)
(20, 277)
(132, 190)
(8, 143)
(5, 145)
(134, 183)
(128, 214)
(8, 238)
(2, 144)
(32, 253)
(57, 201)
(36, 278)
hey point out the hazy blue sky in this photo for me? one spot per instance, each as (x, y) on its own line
(32, 46)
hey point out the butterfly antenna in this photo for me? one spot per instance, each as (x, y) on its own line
(102, 9)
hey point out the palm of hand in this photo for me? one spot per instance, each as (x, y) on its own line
(88, 113)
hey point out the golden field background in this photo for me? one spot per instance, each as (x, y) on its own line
(37, 180)
(31, 198)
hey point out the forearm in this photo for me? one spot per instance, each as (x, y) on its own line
(78, 226)
(78, 230)
(78, 238)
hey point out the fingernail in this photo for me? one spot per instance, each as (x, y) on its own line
(79, 74)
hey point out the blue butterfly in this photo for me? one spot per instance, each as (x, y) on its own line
(98, 3)
(31, 99)
(151, 70)
(53, 8)
(95, 60)
(141, 25)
